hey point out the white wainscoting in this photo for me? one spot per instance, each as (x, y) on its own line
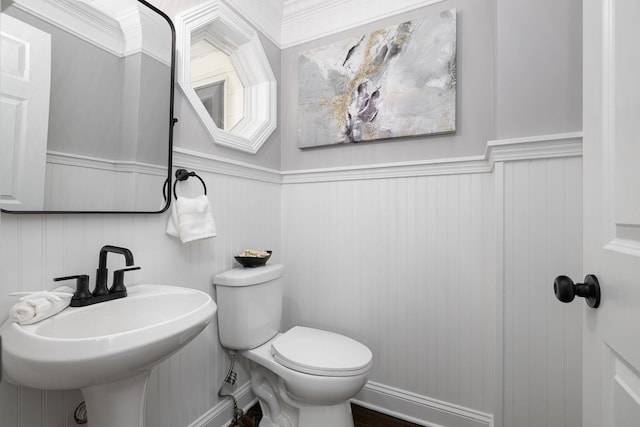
(444, 269)
(36, 248)
(72, 177)
(541, 360)
(405, 266)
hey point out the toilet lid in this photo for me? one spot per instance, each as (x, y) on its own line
(318, 352)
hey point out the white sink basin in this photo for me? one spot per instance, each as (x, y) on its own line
(106, 343)
(90, 345)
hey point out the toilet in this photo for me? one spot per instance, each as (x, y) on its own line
(303, 377)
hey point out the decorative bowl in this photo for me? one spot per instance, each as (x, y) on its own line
(253, 261)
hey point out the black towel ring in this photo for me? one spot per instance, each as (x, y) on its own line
(183, 175)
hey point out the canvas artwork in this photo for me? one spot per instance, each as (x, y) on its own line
(395, 82)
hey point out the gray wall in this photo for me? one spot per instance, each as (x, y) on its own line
(539, 67)
(85, 128)
(519, 74)
(475, 95)
(153, 125)
(498, 45)
(90, 111)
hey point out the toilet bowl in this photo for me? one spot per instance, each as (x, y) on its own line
(302, 377)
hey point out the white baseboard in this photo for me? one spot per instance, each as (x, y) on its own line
(381, 398)
(221, 414)
(419, 409)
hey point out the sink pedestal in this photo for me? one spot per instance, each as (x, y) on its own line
(121, 403)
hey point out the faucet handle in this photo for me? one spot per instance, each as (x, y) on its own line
(82, 285)
(118, 280)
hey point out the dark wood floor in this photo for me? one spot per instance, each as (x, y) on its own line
(362, 417)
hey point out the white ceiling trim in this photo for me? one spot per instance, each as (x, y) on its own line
(106, 24)
(312, 21)
(265, 15)
(79, 19)
(289, 23)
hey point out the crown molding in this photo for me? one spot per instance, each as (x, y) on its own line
(79, 19)
(307, 20)
(119, 35)
(265, 15)
(292, 22)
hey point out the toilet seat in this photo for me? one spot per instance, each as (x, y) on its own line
(318, 352)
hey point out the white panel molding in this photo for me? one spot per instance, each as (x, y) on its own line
(624, 246)
(419, 409)
(70, 159)
(222, 413)
(25, 82)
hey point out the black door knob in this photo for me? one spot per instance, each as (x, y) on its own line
(566, 290)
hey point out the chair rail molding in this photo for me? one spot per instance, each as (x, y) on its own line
(567, 144)
(558, 145)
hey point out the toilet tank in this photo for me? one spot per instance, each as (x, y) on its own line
(249, 305)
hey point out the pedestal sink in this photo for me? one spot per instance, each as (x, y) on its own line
(107, 350)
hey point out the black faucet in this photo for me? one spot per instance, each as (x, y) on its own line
(101, 293)
(102, 272)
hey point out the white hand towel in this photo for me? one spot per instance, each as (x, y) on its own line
(194, 219)
(39, 305)
(172, 223)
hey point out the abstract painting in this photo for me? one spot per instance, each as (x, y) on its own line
(398, 81)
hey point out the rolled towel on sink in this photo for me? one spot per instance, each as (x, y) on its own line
(35, 306)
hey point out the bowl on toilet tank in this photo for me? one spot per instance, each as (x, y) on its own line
(249, 305)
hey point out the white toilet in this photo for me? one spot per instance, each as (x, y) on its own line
(303, 377)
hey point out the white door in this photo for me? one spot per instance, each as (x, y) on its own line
(611, 123)
(25, 81)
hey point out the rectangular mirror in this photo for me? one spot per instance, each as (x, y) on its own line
(86, 106)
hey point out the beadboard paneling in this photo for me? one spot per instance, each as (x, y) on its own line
(542, 337)
(71, 180)
(442, 275)
(36, 248)
(405, 266)
(408, 265)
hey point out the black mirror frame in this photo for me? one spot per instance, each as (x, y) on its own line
(172, 122)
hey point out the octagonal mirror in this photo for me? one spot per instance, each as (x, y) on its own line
(225, 74)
